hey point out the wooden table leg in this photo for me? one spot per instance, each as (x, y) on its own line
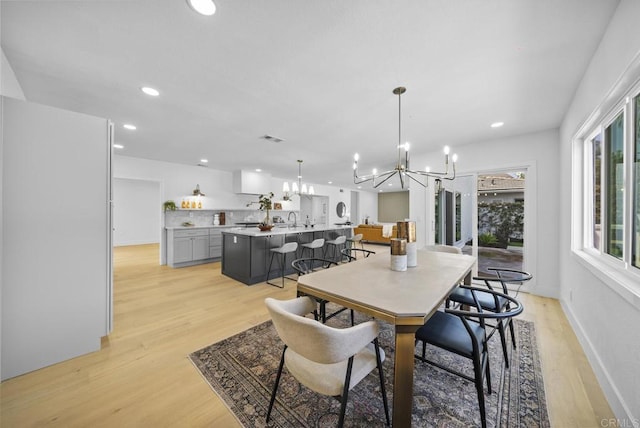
(403, 377)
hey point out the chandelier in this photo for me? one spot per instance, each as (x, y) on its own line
(402, 169)
(298, 188)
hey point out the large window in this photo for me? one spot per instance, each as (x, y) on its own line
(612, 187)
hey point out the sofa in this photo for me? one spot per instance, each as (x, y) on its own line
(373, 233)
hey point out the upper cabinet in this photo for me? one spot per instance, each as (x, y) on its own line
(252, 183)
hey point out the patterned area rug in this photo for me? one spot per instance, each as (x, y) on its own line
(242, 370)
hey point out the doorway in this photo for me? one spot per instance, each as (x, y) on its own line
(137, 213)
(501, 220)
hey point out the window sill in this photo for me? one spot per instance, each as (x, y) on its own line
(623, 282)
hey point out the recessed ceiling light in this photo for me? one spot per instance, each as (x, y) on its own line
(497, 124)
(329, 182)
(150, 91)
(128, 126)
(118, 146)
(204, 160)
(258, 170)
(203, 7)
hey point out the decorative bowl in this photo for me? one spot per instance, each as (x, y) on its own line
(265, 227)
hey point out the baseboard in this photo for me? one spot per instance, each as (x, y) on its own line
(621, 411)
(129, 243)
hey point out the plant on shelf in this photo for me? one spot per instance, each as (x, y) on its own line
(169, 206)
(265, 205)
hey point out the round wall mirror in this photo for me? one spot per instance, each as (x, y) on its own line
(341, 209)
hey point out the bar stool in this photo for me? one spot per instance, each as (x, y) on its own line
(289, 247)
(312, 246)
(354, 240)
(334, 245)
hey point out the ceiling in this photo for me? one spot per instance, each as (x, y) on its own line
(318, 74)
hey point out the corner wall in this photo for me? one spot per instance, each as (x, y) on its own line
(606, 324)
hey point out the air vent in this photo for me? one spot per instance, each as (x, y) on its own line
(272, 138)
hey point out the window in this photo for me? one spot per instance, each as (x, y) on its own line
(611, 187)
(614, 146)
(635, 259)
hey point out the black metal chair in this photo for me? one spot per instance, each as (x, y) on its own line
(351, 254)
(464, 333)
(504, 277)
(307, 265)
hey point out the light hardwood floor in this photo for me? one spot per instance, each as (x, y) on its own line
(143, 378)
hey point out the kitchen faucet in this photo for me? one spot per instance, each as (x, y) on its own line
(295, 218)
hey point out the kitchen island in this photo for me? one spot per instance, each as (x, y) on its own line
(246, 251)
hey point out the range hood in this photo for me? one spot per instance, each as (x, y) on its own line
(251, 182)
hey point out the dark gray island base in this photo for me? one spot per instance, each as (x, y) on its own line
(246, 252)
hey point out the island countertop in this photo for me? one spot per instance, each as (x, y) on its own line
(282, 230)
(247, 255)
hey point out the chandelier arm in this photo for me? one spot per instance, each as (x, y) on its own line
(409, 174)
(391, 174)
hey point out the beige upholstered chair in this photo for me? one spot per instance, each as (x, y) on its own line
(327, 360)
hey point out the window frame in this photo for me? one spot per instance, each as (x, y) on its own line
(620, 274)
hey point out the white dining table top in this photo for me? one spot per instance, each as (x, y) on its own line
(407, 298)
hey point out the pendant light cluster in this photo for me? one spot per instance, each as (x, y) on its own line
(297, 188)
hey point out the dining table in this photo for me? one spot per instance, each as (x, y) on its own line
(405, 299)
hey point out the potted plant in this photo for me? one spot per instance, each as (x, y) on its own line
(265, 205)
(169, 206)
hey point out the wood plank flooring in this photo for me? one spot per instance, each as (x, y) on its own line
(143, 378)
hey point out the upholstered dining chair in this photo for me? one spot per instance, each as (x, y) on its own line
(464, 333)
(307, 265)
(504, 277)
(327, 360)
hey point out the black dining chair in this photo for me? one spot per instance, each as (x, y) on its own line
(464, 333)
(504, 277)
(351, 254)
(304, 266)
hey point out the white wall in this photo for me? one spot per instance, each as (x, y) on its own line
(56, 295)
(539, 153)
(136, 213)
(177, 181)
(9, 85)
(605, 322)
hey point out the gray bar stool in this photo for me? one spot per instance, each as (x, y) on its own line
(334, 245)
(312, 246)
(289, 247)
(354, 240)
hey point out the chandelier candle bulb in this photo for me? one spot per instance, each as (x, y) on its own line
(398, 254)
